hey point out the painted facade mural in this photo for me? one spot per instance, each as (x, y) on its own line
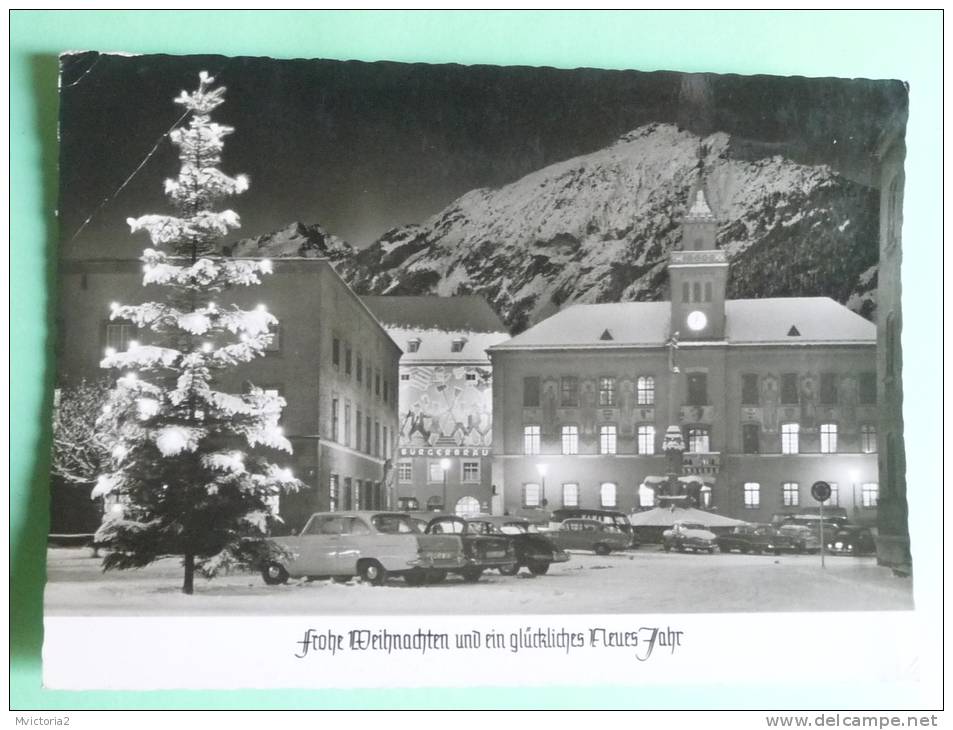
(445, 405)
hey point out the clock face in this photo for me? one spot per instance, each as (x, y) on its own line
(697, 320)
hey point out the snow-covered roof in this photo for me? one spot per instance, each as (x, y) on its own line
(469, 313)
(432, 329)
(442, 346)
(668, 516)
(817, 320)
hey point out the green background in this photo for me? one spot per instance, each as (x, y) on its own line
(873, 44)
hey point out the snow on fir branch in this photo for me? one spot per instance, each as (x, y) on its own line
(189, 473)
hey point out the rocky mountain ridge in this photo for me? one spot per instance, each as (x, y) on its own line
(599, 227)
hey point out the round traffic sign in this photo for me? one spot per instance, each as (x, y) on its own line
(821, 491)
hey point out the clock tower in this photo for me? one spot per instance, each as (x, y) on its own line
(698, 274)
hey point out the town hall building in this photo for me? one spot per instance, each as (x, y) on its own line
(770, 395)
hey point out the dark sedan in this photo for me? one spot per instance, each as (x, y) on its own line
(851, 540)
(482, 552)
(755, 539)
(533, 550)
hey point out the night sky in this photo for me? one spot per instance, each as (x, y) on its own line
(363, 147)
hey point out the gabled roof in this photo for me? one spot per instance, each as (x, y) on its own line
(446, 329)
(469, 313)
(819, 320)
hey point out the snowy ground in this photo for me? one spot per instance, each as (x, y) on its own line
(640, 581)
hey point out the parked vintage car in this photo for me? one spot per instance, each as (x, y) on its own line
(534, 550)
(609, 517)
(851, 540)
(372, 545)
(801, 539)
(586, 534)
(482, 552)
(688, 536)
(754, 538)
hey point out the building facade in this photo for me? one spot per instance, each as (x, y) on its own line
(445, 436)
(330, 359)
(770, 395)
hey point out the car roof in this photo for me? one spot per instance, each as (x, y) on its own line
(360, 513)
(498, 519)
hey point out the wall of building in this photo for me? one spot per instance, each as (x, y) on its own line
(723, 413)
(313, 305)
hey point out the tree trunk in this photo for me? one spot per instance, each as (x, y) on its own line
(189, 563)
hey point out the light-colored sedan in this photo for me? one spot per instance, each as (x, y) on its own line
(372, 545)
(693, 536)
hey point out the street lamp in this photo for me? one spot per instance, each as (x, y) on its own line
(854, 476)
(445, 466)
(542, 468)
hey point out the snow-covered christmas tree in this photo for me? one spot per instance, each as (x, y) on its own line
(188, 477)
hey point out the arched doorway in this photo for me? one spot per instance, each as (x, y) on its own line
(467, 507)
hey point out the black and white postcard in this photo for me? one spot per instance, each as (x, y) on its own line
(470, 369)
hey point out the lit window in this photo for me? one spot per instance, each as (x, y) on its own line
(790, 494)
(869, 493)
(646, 440)
(531, 495)
(570, 495)
(868, 438)
(607, 439)
(606, 391)
(570, 436)
(752, 495)
(789, 438)
(333, 493)
(434, 471)
(569, 391)
(698, 440)
(645, 390)
(646, 496)
(607, 494)
(471, 471)
(828, 438)
(531, 437)
(120, 334)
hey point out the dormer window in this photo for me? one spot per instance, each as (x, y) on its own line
(413, 345)
(458, 343)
